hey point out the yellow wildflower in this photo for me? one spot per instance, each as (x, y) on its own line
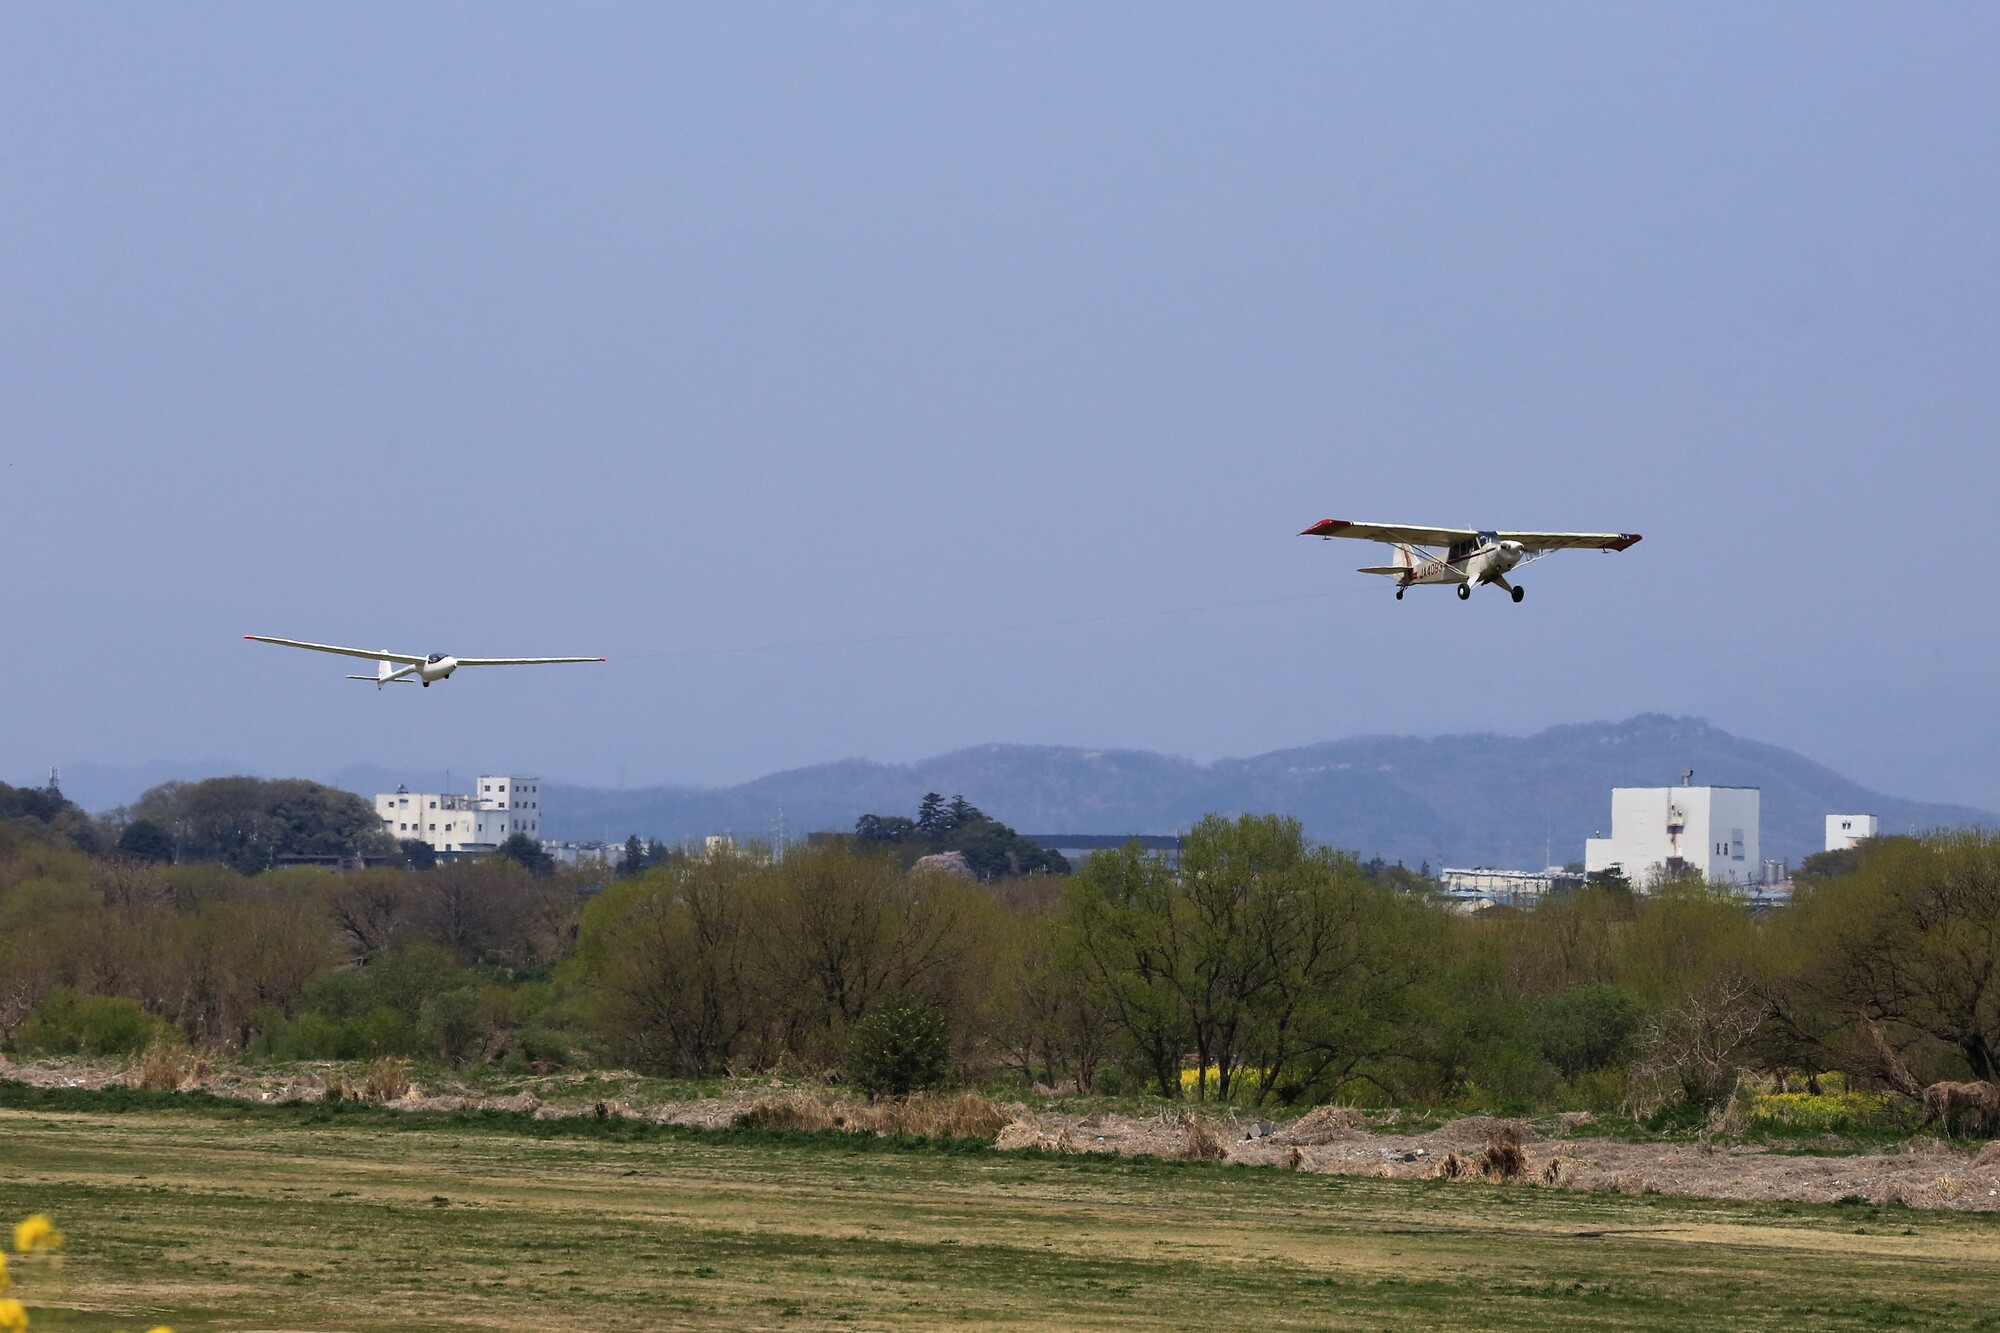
(13, 1318)
(34, 1234)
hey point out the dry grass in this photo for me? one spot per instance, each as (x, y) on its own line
(1503, 1161)
(387, 1080)
(1200, 1144)
(164, 1065)
(1323, 1124)
(293, 1221)
(966, 1115)
(797, 1110)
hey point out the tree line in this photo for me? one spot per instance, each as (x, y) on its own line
(1257, 967)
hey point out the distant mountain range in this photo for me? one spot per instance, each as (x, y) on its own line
(1516, 801)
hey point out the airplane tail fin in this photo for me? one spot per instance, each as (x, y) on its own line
(1402, 561)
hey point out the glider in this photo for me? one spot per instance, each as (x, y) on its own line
(1469, 556)
(424, 668)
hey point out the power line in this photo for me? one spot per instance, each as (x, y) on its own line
(917, 635)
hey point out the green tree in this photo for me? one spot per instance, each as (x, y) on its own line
(525, 852)
(248, 823)
(143, 840)
(1120, 915)
(666, 965)
(903, 1046)
(1894, 969)
(960, 813)
(634, 860)
(884, 829)
(841, 928)
(1586, 1029)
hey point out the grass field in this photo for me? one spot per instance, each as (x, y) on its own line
(244, 1219)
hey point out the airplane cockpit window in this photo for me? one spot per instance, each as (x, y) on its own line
(435, 657)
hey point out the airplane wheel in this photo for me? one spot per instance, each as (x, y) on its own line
(1518, 591)
(1399, 594)
(427, 684)
(1464, 592)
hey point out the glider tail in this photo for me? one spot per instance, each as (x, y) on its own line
(386, 673)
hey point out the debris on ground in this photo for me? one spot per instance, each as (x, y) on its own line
(1923, 1172)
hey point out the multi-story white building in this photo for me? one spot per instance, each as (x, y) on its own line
(449, 822)
(1659, 831)
(1844, 831)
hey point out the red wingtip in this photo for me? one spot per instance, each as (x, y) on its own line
(1325, 527)
(249, 636)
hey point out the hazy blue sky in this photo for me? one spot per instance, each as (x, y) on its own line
(660, 329)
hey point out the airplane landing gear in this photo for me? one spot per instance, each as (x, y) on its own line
(1517, 592)
(1399, 594)
(427, 684)
(1464, 592)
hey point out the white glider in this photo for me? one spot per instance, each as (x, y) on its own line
(1470, 557)
(424, 668)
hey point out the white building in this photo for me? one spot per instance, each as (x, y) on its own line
(502, 807)
(577, 854)
(1506, 886)
(1712, 831)
(1844, 831)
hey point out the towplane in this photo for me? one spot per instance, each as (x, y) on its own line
(426, 669)
(1468, 556)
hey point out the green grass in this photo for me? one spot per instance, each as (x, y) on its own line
(209, 1215)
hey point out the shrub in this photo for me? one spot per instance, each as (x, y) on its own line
(902, 1047)
(72, 1024)
(454, 1025)
(1586, 1029)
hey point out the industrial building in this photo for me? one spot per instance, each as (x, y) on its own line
(1667, 831)
(1845, 831)
(453, 823)
(1480, 886)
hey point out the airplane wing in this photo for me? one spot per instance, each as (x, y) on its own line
(521, 661)
(1389, 532)
(1571, 541)
(372, 654)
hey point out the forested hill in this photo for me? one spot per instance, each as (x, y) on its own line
(1468, 800)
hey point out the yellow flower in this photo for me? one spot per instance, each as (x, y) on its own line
(35, 1234)
(13, 1319)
